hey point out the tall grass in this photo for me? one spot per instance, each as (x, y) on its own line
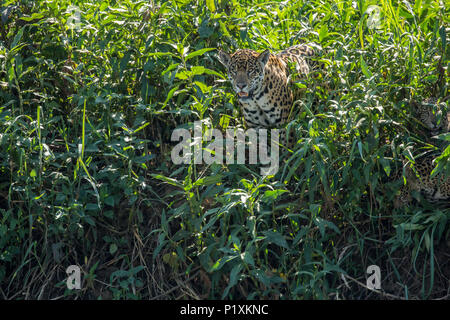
(87, 108)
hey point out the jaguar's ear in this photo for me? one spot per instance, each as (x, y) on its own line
(224, 58)
(263, 57)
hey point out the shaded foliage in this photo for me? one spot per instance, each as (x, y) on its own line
(90, 93)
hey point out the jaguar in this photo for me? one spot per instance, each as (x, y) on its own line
(418, 179)
(261, 82)
(433, 116)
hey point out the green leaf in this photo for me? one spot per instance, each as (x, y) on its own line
(161, 243)
(221, 262)
(112, 248)
(274, 194)
(211, 5)
(322, 224)
(276, 238)
(386, 166)
(360, 150)
(443, 136)
(247, 258)
(183, 75)
(234, 276)
(159, 54)
(206, 181)
(412, 226)
(124, 62)
(261, 276)
(169, 96)
(17, 37)
(92, 207)
(427, 240)
(89, 220)
(443, 34)
(170, 68)
(339, 54)
(323, 32)
(198, 53)
(109, 201)
(364, 68)
(198, 70)
(34, 16)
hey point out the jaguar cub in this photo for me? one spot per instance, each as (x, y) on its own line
(261, 83)
(436, 189)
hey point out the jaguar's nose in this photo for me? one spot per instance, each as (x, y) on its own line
(241, 85)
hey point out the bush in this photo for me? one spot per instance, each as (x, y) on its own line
(90, 94)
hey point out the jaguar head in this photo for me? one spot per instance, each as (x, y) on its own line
(245, 70)
(430, 114)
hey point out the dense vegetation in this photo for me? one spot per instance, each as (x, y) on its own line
(91, 91)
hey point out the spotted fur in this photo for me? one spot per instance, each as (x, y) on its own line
(436, 189)
(260, 81)
(433, 116)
